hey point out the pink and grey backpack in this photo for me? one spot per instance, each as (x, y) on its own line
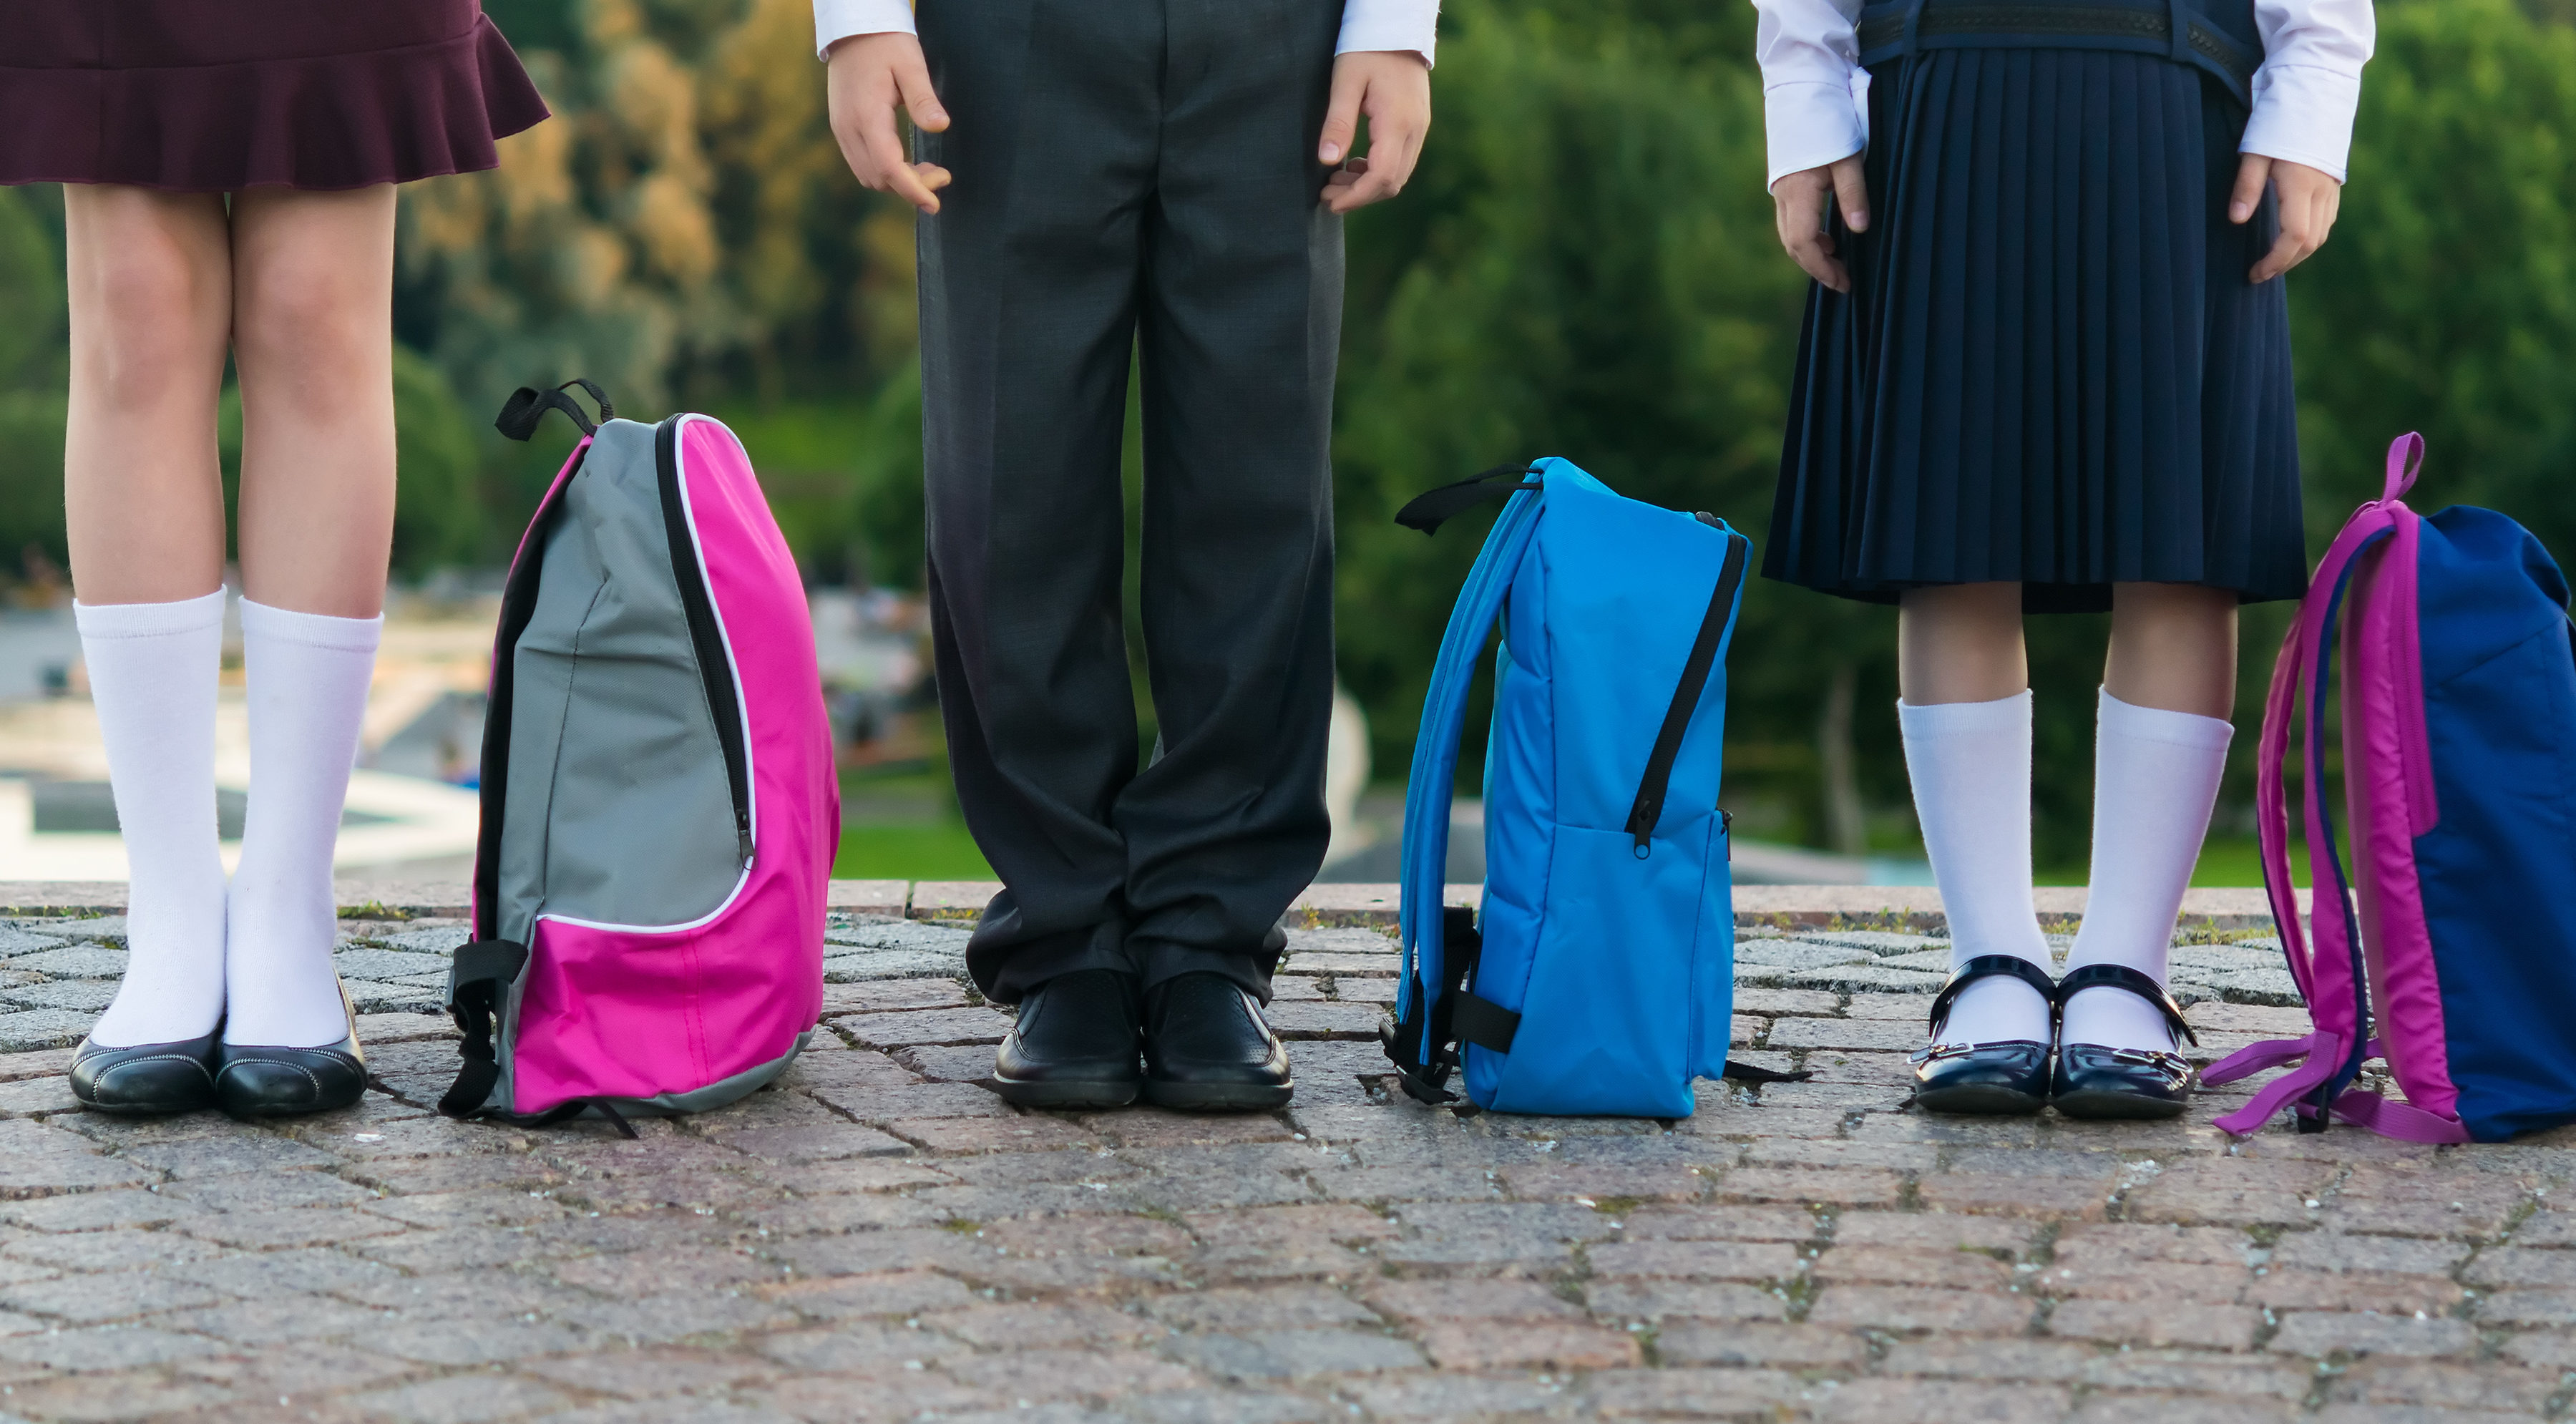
(660, 808)
(2450, 950)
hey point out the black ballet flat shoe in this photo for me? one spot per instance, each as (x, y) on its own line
(2006, 1078)
(2096, 1081)
(1074, 1044)
(146, 1078)
(1207, 1048)
(260, 1080)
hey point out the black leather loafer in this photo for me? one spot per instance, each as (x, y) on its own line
(146, 1077)
(2003, 1078)
(2096, 1081)
(1074, 1044)
(260, 1080)
(1207, 1048)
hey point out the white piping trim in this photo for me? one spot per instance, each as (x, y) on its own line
(733, 665)
(701, 922)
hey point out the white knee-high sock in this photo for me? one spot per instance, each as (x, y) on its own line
(307, 675)
(1970, 765)
(2155, 781)
(152, 670)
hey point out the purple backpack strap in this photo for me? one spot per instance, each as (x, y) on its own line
(2328, 975)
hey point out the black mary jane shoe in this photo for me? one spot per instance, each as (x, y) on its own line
(2004, 1078)
(261, 1080)
(1208, 1049)
(2095, 1081)
(146, 1078)
(1074, 1044)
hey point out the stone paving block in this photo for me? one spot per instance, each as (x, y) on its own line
(105, 1296)
(2426, 1203)
(681, 1315)
(890, 1293)
(138, 1394)
(258, 1274)
(2128, 1408)
(1291, 1354)
(1795, 954)
(292, 1226)
(2548, 1306)
(468, 1341)
(1809, 1152)
(2089, 1278)
(1465, 1299)
(905, 1028)
(2317, 1332)
(892, 994)
(1532, 1234)
(99, 1348)
(74, 961)
(1538, 1345)
(2487, 1385)
(99, 1210)
(2297, 1289)
(854, 1346)
(2043, 1198)
(1910, 1308)
(115, 1249)
(1429, 1395)
(1697, 1260)
(1879, 1401)
(646, 1374)
(269, 1191)
(1743, 1343)
(285, 1318)
(627, 1274)
(460, 1399)
(36, 1063)
(1729, 1223)
(1239, 1310)
(1693, 1393)
(2156, 1320)
(1838, 1186)
(1294, 1019)
(1893, 1265)
(1226, 1406)
(2107, 1247)
(1045, 1325)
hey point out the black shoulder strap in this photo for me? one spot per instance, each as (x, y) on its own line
(1426, 1080)
(478, 986)
(1432, 508)
(528, 405)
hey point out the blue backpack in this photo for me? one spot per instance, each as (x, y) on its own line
(1599, 977)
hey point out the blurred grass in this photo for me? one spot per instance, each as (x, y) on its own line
(2226, 861)
(919, 850)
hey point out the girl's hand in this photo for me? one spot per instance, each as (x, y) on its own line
(867, 76)
(1798, 202)
(2309, 199)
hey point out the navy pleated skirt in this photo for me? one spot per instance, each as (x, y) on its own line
(2051, 369)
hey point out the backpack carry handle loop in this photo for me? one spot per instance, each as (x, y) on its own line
(1432, 508)
(528, 405)
(2405, 462)
(478, 987)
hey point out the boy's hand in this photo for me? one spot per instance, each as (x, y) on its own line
(1392, 87)
(2309, 200)
(867, 76)
(1798, 204)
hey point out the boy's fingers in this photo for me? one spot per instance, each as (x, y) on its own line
(894, 171)
(2252, 172)
(912, 81)
(1341, 114)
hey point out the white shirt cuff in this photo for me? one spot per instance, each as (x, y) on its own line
(2303, 114)
(1809, 125)
(1390, 25)
(840, 19)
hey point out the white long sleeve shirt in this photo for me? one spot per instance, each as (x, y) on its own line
(1366, 24)
(1815, 94)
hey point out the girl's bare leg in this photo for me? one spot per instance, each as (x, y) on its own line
(151, 300)
(1965, 678)
(313, 342)
(2160, 750)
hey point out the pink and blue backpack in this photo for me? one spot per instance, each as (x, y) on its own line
(2450, 948)
(660, 808)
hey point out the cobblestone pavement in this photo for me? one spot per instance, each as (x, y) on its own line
(881, 1238)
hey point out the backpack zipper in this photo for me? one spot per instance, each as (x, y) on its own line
(1649, 805)
(706, 639)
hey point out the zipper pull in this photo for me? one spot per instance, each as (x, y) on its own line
(742, 844)
(1726, 830)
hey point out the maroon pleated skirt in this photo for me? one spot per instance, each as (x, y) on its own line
(218, 95)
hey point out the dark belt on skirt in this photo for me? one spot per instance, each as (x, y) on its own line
(2186, 31)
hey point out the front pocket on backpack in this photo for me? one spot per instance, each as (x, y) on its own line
(1605, 1011)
